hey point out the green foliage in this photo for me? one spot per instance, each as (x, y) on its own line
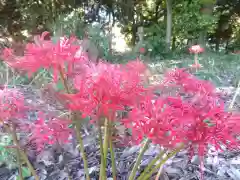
(191, 21)
(7, 155)
(216, 67)
(25, 173)
(72, 23)
(101, 39)
(67, 24)
(154, 41)
(207, 1)
(60, 86)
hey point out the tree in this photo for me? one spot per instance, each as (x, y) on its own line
(169, 24)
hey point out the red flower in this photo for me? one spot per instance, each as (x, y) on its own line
(196, 49)
(44, 54)
(49, 132)
(104, 89)
(142, 50)
(193, 115)
(187, 83)
(11, 104)
(136, 66)
(7, 52)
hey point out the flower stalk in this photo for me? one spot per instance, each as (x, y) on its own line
(77, 127)
(21, 152)
(19, 165)
(81, 148)
(102, 169)
(163, 161)
(196, 58)
(111, 148)
(14, 136)
(106, 138)
(151, 164)
(105, 150)
(138, 160)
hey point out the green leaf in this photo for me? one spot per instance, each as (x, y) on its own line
(70, 126)
(206, 121)
(210, 124)
(25, 173)
(2, 158)
(60, 86)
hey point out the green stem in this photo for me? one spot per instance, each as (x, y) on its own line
(151, 164)
(138, 160)
(77, 127)
(25, 158)
(164, 160)
(106, 139)
(196, 58)
(102, 170)
(22, 153)
(105, 150)
(64, 80)
(14, 135)
(36, 77)
(114, 171)
(81, 148)
(159, 173)
(19, 164)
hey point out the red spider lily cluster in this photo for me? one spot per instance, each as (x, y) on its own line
(106, 88)
(193, 115)
(13, 109)
(101, 89)
(45, 54)
(45, 133)
(188, 110)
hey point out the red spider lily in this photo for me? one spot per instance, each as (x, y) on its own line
(49, 132)
(194, 115)
(44, 54)
(11, 104)
(104, 89)
(136, 66)
(215, 130)
(158, 120)
(187, 83)
(196, 49)
(139, 68)
(7, 53)
(142, 50)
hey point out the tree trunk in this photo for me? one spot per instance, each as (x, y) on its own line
(207, 9)
(202, 38)
(134, 33)
(217, 44)
(110, 35)
(227, 47)
(174, 43)
(169, 25)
